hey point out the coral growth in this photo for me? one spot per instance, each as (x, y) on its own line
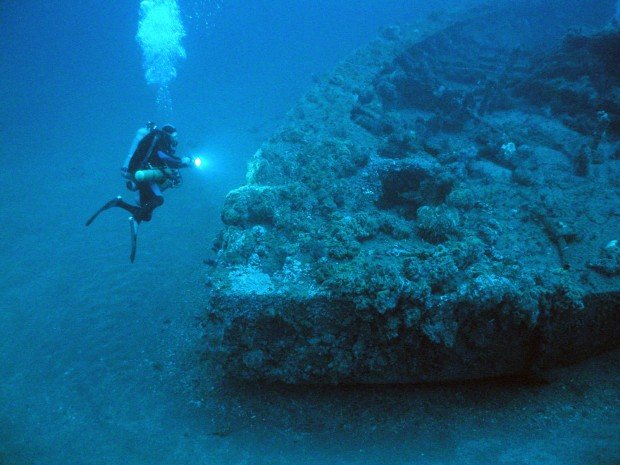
(418, 219)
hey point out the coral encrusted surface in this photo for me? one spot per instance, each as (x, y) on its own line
(445, 205)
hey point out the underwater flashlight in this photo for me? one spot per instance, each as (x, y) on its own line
(197, 162)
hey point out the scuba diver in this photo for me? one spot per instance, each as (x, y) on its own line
(150, 168)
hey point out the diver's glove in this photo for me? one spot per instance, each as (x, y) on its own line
(187, 162)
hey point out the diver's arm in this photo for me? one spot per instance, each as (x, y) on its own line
(174, 162)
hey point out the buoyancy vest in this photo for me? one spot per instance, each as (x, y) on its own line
(139, 157)
(140, 134)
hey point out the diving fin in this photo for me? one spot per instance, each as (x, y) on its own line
(133, 228)
(112, 203)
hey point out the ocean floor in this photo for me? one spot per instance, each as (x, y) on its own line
(99, 359)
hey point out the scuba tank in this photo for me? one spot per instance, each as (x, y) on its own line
(140, 134)
(152, 175)
(129, 166)
(148, 175)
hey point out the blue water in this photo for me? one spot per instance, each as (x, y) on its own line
(97, 356)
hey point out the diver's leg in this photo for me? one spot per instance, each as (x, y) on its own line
(133, 209)
(150, 199)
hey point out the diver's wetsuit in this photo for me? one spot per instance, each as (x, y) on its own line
(152, 148)
(150, 192)
(156, 150)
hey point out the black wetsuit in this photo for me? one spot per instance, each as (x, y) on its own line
(155, 150)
